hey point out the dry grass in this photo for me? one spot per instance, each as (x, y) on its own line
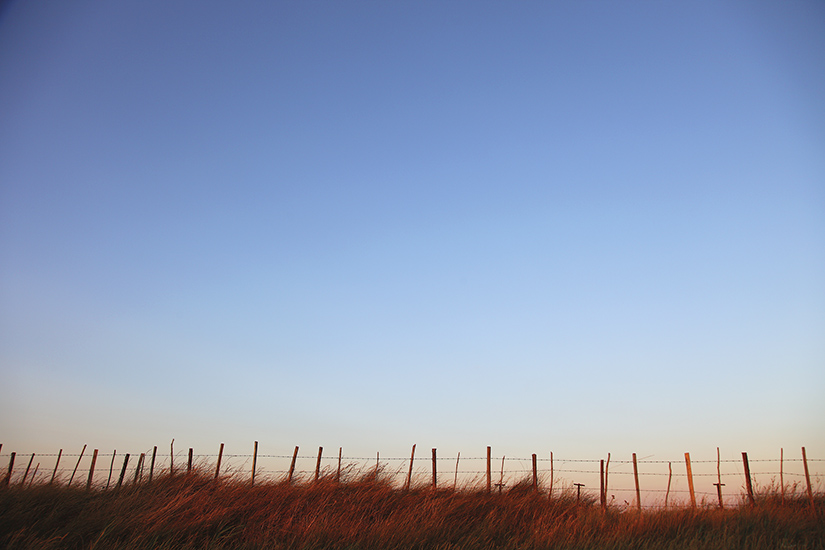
(195, 511)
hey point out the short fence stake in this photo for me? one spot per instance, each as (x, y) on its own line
(254, 464)
(719, 483)
(578, 491)
(111, 467)
(152, 465)
(218, 467)
(535, 475)
(189, 462)
(410, 471)
(748, 483)
(123, 471)
(318, 463)
(636, 478)
(26, 474)
(489, 470)
(292, 465)
(91, 470)
(11, 468)
(76, 465)
(690, 481)
(808, 479)
(54, 473)
(435, 472)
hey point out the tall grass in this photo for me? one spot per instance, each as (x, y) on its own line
(195, 511)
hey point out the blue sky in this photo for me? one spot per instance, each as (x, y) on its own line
(584, 227)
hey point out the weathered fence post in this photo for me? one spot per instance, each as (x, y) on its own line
(139, 469)
(435, 472)
(719, 483)
(748, 483)
(11, 468)
(606, 472)
(636, 479)
(26, 473)
(318, 463)
(578, 492)
(669, 479)
(602, 494)
(782, 472)
(189, 461)
(690, 481)
(172, 458)
(111, 468)
(34, 474)
(123, 471)
(292, 465)
(218, 467)
(808, 479)
(254, 464)
(91, 470)
(152, 465)
(550, 493)
(489, 469)
(535, 475)
(54, 473)
(410, 471)
(455, 479)
(76, 465)
(338, 473)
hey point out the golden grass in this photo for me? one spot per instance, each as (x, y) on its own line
(195, 511)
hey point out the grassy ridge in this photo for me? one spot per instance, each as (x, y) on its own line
(195, 511)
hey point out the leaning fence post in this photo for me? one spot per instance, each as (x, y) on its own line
(123, 471)
(455, 479)
(690, 481)
(669, 479)
(636, 478)
(808, 479)
(26, 474)
(139, 469)
(410, 471)
(11, 468)
(111, 468)
(218, 467)
(435, 474)
(748, 483)
(76, 465)
(91, 470)
(254, 463)
(318, 463)
(292, 465)
(489, 469)
(152, 465)
(54, 473)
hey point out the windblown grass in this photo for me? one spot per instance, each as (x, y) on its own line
(195, 511)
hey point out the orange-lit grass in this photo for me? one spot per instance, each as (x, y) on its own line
(195, 511)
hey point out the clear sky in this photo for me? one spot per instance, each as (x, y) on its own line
(579, 227)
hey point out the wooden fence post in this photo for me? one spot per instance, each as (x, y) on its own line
(111, 468)
(410, 471)
(435, 472)
(808, 479)
(748, 483)
(34, 474)
(254, 464)
(719, 483)
(152, 465)
(782, 472)
(602, 495)
(669, 478)
(26, 474)
(455, 479)
(91, 470)
(318, 463)
(123, 471)
(636, 479)
(292, 465)
(172, 458)
(76, 465)
(550, 493)
(139, 469)
(690, 481)
(189, 461)
(489, 469)
(338, 473)
(218, 467)
(606, 472)
(500, 483)
(535, 475)
(54, 473)
(7, 481)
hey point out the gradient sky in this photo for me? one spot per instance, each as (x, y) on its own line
(580, 227)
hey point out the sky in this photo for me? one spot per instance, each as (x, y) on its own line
(578, 227)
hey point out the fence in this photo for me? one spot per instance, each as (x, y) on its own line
(628, 482)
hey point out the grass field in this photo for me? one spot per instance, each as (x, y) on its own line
(195, 511)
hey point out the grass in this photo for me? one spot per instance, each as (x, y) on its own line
(195, 511)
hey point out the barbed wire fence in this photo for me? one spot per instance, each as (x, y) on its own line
(613, 482)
